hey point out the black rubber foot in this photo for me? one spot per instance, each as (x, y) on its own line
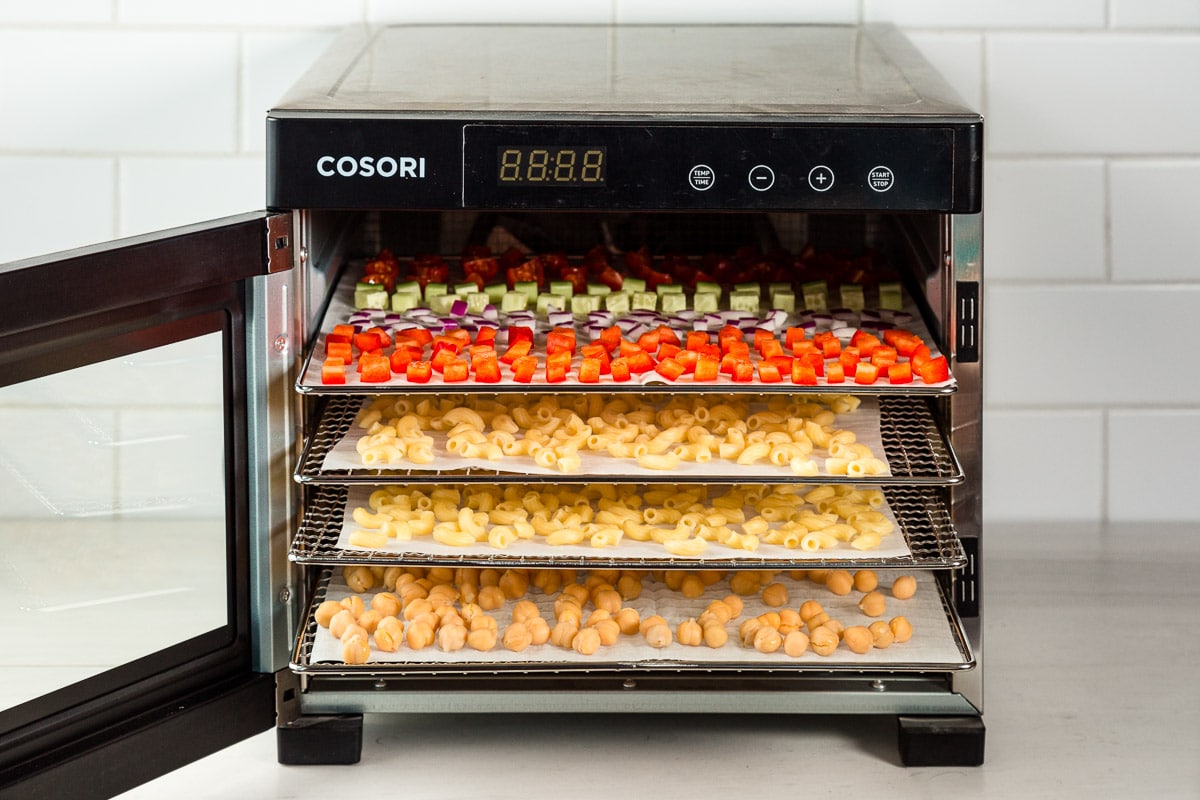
(940, 741)
(321, 740)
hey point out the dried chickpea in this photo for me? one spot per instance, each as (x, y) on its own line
(835, 625)
(873, 604)
(326, 611)
(354, 629)
(468, 592)
(715, 636)
(489, 577)
(710, 576)
(770, 618)
(548, 580)
(809, 609)
(359, 579)
(629, 621)
(355, 604)
(597, 615)
(692, 587)
(775, 595)
(525, 609)
(483, 622)
(419, 635)
(735, 605)
(340, 621)
(767, 640)
(608, 576)
(469, 610)
(571, 613)
(798, 574)
(840, 582)
(490, 598)
(566, 601)
(539, 630)
(417, 607)
(440, 574)
(901, 628)
(649, 622)
(721, 610)
(429, 618)
(816, 621)
(818, 575)
(658, 635)
(904, 587)
(747, 630)
(865, 580)
(574, 590)
(689, 633)
(410, 592)
(629, 587)
(514, 584)
(356, 650)
(673, 579)
(516, 637)
(389, 634)
(390, 576)
(823, 641)
(443, 594)
(795, 643)
(586, 642)
(369, 620)
(609, 631)
(482, 639)
(386, 603)
(858, 639)
(562, 634)
(452, 637)
(789, 620)
(609, 600)
(745, 583)
(882, 634)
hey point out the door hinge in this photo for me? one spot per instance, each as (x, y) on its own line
(279, 242)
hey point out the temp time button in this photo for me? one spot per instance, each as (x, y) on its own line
(702, 177)
(881, 178)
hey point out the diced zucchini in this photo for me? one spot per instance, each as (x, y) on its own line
(708, 287)
(706, 302)
(373, 297)
(494, 292)
(598, 289)
(784, 300)
(441, 303)
(464, 289)
(633, 285)
(562, 288)
(852, 296)
(434, 289)
(403, 301)
(617, 303)
(549, 302)
(778, 286)
(644, 300)
(514, 301)
(669, 288)
(476, 302)
(890, 296)
(408, 286)
(527, 288)
(743, 301)
(673, 301)
(750, 286)
(816, 295)
(581, 304)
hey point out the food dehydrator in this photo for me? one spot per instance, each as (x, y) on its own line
(709, 205)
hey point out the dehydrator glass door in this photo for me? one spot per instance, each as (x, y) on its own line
(125, 532)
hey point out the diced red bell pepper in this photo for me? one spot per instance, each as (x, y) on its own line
(598, 352)
(761, 336)
(689, 359)
(480, 351)
(907, 345)
(648, 341)
(620, 369)
(628, 348)
(460, 335)
(865, 342)
(767, 372)
(743, 371)
(368, 342)
(640, 362)
(695, 339)
(666, 334)
(610, 337)
(669, 368)
(834, 373)
(560, 340)
(330, 338)
(421, 335)
(485, 335)
(900, 373)
(866, 373)
(935, 370)
(739, 349)
(803, 374)
(727, 336)
(401, 357)
(849, 359)
(455, 370)
(884, 356)
(793, 336)
(890, 336)
(382, 334)
(830, 345)
(523, 369)
(667, 350)
(338, 350)
(770, 347)
(441, 343)
(816, 361)
(558, 364)
(807, 347)
(519, 333)
(486, 368)
(711, 350)
(727, 362)
(346, 331)
(920, 357)
(418, 371)
(517, 349)
(333, 370)
(589, 370)
(375, 368)
(706, 368)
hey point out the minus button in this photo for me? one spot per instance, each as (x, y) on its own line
(761, 178)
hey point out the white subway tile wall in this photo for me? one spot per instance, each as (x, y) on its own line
(123, 115)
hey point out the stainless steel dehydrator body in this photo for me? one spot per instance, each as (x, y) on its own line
(820, 178)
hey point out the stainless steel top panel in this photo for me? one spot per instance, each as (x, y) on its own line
(598, 71)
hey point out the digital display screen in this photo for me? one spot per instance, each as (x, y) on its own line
(551, 165)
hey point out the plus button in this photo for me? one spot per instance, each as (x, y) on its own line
(820, 178)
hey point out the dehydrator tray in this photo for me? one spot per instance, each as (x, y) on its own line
(938, 641)
(905, 436)
(923, 537)
(341, 310)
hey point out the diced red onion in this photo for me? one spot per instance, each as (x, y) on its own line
(557, 318)
(458, 308)
(700, 325)
(626, 324)
(491, 313)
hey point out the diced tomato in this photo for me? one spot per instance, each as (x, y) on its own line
(418, 371)
(530, 270)
(640, 362)
(695, 339)
(803, 374)
(831, 347)
(611, 338)
(834, 373)
(620, 369)
(343, 330)
(890, 336)
(338, 350)
(883, 356)
(375, 368)
(865, 342)
(793, 336)
(401, 357)
(455, 370)
(486, 267)
(486, 368)
(688, 358)
(519, 333)
(669, 368)
(368, 342)
(784, 363)
(560, 340)
(523, 369)
(558, 364)
(611, 278)
(866, 373)
(706, 368)
(907, 345)
(767, 372)
(667, 350)
(935, 370)
(333, 370)
(516, 349)
(743, 371)
(900, 373)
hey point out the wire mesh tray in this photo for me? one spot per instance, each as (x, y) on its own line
(921, 514)
(916, 450)
(939, 642)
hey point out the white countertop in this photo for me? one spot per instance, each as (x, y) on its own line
(1092, 639)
